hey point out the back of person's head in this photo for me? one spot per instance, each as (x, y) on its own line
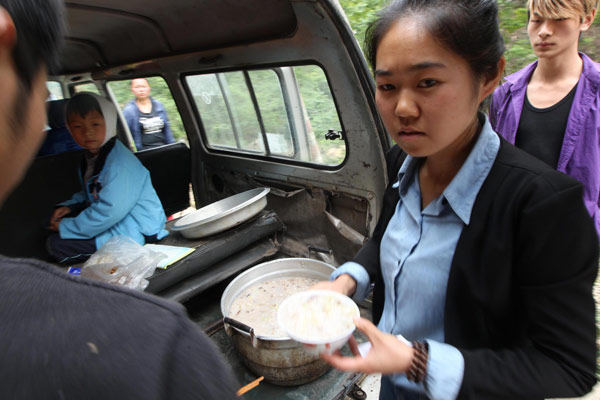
(469, 28)
(562, 9)
(40, 29)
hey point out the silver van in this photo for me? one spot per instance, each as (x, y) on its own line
(263, 93)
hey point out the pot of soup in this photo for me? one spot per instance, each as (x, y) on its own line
(249, 305)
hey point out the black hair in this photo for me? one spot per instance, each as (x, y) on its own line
(469, 28)
(81, 104)
(40, 29)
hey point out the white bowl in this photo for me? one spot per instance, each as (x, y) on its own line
(322, 320)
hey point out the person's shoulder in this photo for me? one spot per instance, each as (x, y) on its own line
(591, 69)
(532, 174)
(122, 159)
(158, 104)
(48, 279)
(121, 151)
(130, 106)
(519, 77)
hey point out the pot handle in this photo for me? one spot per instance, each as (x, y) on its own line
(242, 327)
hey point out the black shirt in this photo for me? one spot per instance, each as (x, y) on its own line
(152, 129)
(541, 130)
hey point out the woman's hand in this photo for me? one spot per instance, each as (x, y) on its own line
(343, 284)
(388, 355)
(57, 216)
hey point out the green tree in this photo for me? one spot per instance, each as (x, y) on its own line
(513, 25)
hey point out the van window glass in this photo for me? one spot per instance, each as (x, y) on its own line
(271, 105)
(281, 112)
(55, 90)
(159, 90)
(86, 87)
(320, 114)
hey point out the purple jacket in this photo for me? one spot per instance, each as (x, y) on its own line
(580, 152)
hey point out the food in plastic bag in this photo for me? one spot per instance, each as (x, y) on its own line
(122, 261)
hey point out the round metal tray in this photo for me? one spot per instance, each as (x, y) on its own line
(223, 214)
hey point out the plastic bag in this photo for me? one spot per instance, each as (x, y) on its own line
(122, 261)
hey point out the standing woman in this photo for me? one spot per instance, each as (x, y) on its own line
(147, 118)
(484, 257)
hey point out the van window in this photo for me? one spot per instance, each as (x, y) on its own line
(85, 87)
(55, 90)
(159, 90)
(282, 112)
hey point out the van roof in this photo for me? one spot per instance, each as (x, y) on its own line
(108, 33)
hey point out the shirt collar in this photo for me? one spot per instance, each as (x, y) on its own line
(464, 187)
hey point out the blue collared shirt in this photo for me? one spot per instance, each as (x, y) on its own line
(416, 254)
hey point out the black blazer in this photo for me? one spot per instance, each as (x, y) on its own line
(519, 302)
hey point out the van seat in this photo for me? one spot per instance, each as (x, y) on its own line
(58, 139)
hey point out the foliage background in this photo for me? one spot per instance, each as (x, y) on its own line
(513, 24)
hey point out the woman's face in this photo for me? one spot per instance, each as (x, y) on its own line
(425, 93)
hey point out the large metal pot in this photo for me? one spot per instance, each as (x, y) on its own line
(280, 360)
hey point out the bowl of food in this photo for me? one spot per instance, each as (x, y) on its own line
(322, 320)
(249, 305)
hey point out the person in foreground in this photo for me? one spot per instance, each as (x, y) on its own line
(64, 337)
(484, 257)
(117, 196)
(147, 118)
(551, 108)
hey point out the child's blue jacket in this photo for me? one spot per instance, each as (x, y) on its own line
(118, 199)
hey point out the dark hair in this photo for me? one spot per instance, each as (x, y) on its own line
(81, 104)
(469, 28)
(40, 30)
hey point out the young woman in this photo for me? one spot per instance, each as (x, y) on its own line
(147, 118)
(484, 257)
(551, 108)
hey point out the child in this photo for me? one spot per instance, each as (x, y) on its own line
(483, 256)
(117, 196)
(551, 108)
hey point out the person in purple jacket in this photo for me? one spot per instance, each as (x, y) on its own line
(551, 108)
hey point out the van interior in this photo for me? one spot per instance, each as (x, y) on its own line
(277, 96)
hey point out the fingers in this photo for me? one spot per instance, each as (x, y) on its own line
(353, 346)
(367, 327)
(54, 226)
(345, 363)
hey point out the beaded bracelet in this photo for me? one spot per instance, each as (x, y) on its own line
(418, 367)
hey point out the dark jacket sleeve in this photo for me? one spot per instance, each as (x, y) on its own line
(546, 345)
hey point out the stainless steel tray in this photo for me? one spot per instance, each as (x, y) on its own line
(223, 214)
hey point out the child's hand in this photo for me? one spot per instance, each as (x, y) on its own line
(57, 216)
